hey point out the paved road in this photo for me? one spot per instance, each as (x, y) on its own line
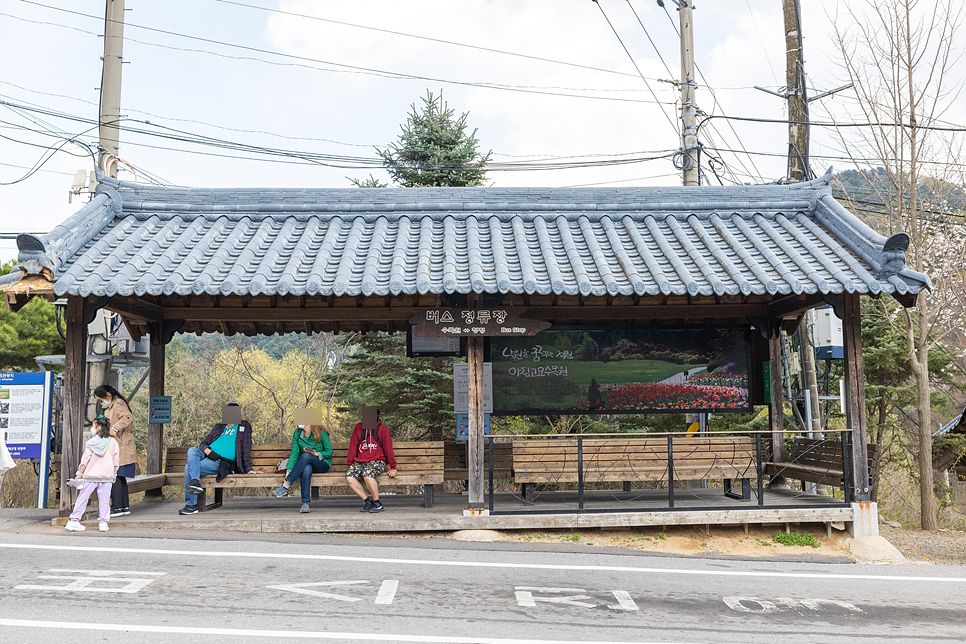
(113, 589)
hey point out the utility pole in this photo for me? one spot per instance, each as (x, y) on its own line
(689, 117)
(110, 116)
(108, 143)
(795, 93)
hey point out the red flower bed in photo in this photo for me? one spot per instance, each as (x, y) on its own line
(655, 395)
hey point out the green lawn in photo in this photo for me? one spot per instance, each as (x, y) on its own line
(513, 393)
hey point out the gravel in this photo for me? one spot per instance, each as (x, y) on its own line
(944, 547)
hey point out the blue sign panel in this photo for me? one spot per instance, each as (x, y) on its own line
(26, 400)
(463, 426)
(160, 410)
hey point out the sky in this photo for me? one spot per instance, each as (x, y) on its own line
(544, 82)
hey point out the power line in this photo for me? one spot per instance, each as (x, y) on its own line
(338, 161)
(714, 99)
(428, 38)
(761, 40)
(347, 68)
(633, 62)
(826, 124)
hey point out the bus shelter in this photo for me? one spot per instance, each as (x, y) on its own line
(262, 261)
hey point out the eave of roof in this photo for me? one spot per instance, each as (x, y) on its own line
(133, 239)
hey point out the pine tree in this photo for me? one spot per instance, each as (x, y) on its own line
(435, 149)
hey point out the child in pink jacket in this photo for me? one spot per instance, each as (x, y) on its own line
(97, 469)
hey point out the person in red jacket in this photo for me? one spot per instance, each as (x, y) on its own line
(370, 454)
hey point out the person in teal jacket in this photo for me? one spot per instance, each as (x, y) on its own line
(311, 454)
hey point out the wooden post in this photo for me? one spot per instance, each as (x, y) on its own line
(75, 400)
(474, 460)
(855, 395)
(776, 415)
(155, 388)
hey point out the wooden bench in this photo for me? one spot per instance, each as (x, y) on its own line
(417, 463)
(817, 460)
(455, 455)
(139, 483)
(635, 459)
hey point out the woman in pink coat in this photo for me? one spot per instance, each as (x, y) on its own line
(97, 470)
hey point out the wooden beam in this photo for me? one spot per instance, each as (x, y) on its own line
(776, 413)
(793, 305)
(156, 357)
(474, 458)
(134, 307)
(855, 395)
(400, 313)
(75, 400)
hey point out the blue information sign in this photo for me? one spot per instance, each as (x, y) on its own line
(159, 411)
(26, 400)
(463, 426)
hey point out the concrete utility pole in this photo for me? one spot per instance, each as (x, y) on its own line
(689, 117)
(110, 116)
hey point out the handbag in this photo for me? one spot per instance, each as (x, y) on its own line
(282, 465)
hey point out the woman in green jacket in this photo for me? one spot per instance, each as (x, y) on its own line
(311, 454)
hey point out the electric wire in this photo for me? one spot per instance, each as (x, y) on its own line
(338, 161)
(633, 62)
(347, 68)
(428, 38)
(717, 104)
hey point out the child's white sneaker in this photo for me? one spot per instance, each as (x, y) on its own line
(77, 483)
(103, 527)
(75, 526)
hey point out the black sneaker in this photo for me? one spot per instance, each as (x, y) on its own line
(367, 507)
(194, 487)
(189, 509)
(376, 507)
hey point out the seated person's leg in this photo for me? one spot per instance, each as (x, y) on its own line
(372, 486)
(352, 480)
(192, 471)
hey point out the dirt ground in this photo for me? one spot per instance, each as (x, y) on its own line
(946, 547)
(695, 540)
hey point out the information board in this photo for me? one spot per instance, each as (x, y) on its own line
(463, 426)
(26, 400)
(461, 387)
(159, 411)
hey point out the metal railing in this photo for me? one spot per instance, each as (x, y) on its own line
(804, 464)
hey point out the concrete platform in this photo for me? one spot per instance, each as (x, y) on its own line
(405, 513)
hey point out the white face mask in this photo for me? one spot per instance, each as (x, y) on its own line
(94, 431)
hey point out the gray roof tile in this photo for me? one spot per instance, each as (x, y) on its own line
(136, 239)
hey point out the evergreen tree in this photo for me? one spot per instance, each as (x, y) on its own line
(28, 333)
(435, 149)
(414, 395)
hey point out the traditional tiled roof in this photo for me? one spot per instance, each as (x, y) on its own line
(774, 239)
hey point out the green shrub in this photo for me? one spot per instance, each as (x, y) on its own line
(796, 539)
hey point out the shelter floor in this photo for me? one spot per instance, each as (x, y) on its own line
(551, 510)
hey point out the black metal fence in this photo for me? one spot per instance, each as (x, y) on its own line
(666, 467)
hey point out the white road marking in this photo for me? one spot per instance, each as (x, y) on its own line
(740, 604)
(624, 601)
(94, 581)
(481, 564)
(387, 592)
(814, 604)
(526, 599)
(304, 589)
(249, 633)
